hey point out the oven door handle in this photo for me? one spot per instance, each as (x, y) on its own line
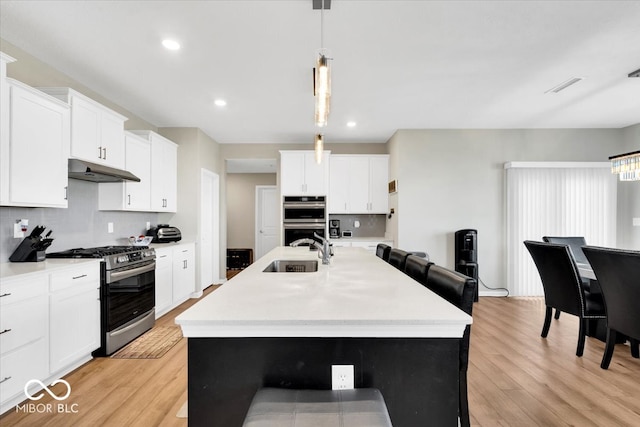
(294, 205)
(303, 225)
(114, 276)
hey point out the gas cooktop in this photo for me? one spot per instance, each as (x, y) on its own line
(98, 252)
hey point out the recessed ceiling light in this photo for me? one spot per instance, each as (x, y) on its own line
(351, 124)
(220, 102)
(171, 44)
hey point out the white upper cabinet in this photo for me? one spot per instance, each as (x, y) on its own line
(35, 149)
(300, 174)
(130, 195)
(358, 184)
(164, 172)
(97, 132)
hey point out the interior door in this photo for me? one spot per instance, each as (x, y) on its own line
(267, 219)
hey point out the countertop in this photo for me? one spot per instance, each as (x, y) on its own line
(359, 239)
(357, 295)
(11, 269)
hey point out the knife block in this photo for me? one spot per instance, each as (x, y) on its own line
(25, 251)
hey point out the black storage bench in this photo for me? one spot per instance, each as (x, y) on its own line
(276, 407)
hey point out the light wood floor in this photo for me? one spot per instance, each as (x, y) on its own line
(516, 378)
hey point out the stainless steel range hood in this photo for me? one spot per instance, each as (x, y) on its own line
(87, 171)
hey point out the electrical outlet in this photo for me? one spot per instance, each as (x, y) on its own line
(342, 377)
(109, 227)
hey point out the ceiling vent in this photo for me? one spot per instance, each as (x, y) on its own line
(564, 85)
(636, 73)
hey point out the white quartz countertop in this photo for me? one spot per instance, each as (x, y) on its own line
(11, 269)
(357, 295)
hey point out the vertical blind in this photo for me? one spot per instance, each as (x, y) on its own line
(562, 199)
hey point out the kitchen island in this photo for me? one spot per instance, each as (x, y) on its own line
(269, 329)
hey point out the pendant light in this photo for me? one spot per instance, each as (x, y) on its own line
(319, 147)
(322, 76)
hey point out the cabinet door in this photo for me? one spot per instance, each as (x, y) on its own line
(164, 174)
(184, 276)
(378, 184)
(292, 173)
(74, 314)
(171, 177)
(164, 280)
(358, 184)
(39, 148)
(338, 184)
(138, 162)
(316, 175)
(112, 140)
(75, 324)
(85, 130)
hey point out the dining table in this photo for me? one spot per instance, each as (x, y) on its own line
(586, 271)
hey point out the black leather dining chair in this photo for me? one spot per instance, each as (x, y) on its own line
(460, 291)
(382, 251)
(575, 244)
(417, 267)
(398, 258)
(563, 287)
(618, 272)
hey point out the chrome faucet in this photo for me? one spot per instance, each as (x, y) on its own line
(326, 250)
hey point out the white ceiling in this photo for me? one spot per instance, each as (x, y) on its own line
(397, 64)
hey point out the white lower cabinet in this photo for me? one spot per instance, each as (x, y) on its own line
(49, 325)
(24, 338)
(369, 245)
(175, 276)
(75, 315)
(164, 280)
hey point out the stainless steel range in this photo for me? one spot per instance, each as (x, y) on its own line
(127, 292)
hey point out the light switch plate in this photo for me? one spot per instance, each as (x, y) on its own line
(636, 222)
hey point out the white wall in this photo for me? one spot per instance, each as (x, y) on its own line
(454, 179)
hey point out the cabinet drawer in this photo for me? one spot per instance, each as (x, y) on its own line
(15, 290)
(27, 363)
(76, 276)
(23, 322)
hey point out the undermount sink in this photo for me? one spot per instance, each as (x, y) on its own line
(292, 266)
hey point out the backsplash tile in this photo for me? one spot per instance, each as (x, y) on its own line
(370, 225)
(80, 225)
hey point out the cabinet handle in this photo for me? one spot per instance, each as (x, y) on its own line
(5, 379)
(5, 331)
(66, 193)
(184, 264)
(79, 277)
(5, 294)
(129, 199)
(100, 152)
(104, 150)
(162, 256)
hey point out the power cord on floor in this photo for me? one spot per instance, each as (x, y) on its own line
(494, 289)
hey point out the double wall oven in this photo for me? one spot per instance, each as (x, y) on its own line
(127, 292)
(303, 216)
